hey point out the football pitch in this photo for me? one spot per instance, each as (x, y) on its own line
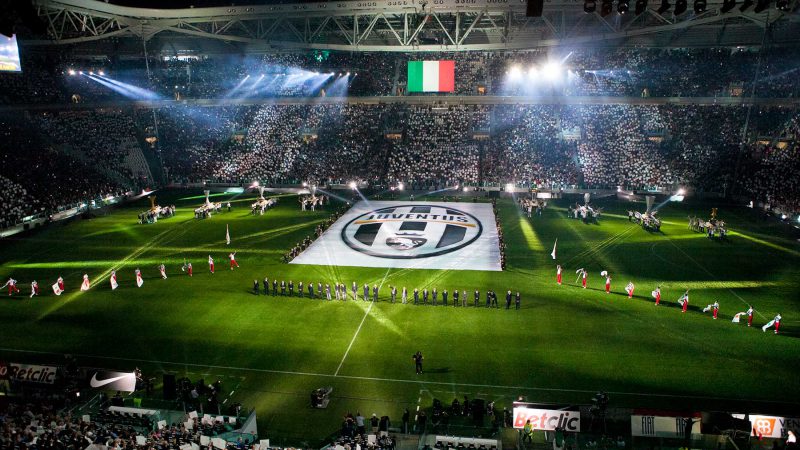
(562, 346)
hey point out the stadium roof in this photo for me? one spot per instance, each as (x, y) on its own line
(415, 25)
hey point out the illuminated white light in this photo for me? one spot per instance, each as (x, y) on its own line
(71, 72)
(400, 186)
(101, 73)
(80, 72)
(516, 72)
(352, 185)
(255, 183)
(783, 216)
(91, 73)
(681, 191)
(466, 189)
(552, 70)
(348, 74)
(509, 187)
(305, 184)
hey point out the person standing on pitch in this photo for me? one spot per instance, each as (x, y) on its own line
(684, 301)
(582, 274)
(404, 295)
(750, 312)
(657, 295)
(629, 289)
(210, 264)
(517, 300)
(189, 268)
(255, 287)
(354, 288)
(232, 256)
(776, 322)
(163, 271)
(34, 288)
(374, 292)
(139, 279)
(418, 361)
(394, 294)
(508, 299)
(558, 274)
(366, 292)
(12, 286)
(608, 280)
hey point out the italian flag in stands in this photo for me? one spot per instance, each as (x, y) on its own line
(431, 76)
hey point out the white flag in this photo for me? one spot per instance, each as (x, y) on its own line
(737, 317)
(227, 235)
(768, 325)
(654, 294)
(139, 279)
(57, 290)
(708, 308)
(553, 254)
(114, 284)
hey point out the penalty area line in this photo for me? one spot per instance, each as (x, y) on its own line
(393, 380)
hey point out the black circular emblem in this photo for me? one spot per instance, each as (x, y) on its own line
(411, 231)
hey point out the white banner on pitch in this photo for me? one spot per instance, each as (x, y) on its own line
(415, 235)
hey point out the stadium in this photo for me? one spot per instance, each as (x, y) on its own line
(400, 224)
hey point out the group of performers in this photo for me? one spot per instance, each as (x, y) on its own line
(648, 220)
(157, 212)
(584, 212)
(529, 205)
(712, 227)
(261, 205)
(208, 209)
(59, 288)
(425, 296)
(683, 301)
(310, 202)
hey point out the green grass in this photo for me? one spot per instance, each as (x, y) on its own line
(565, 343)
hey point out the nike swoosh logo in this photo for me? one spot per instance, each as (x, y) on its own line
(95, 383)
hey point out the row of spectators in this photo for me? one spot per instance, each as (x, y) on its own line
(38, 425)
(51, 160)
(708, 72)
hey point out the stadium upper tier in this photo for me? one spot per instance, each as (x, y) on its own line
(712, 72)
(51, 159)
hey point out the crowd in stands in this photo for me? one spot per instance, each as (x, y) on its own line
(52, 160)
(657, 72)
(45, 177)
(38, 425)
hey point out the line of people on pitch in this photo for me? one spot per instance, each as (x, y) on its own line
(59, 288)
(713, 308)
(366, 293)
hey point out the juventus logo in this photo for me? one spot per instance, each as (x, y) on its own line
(411, 231)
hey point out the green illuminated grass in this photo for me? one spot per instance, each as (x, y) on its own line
(563, 345)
